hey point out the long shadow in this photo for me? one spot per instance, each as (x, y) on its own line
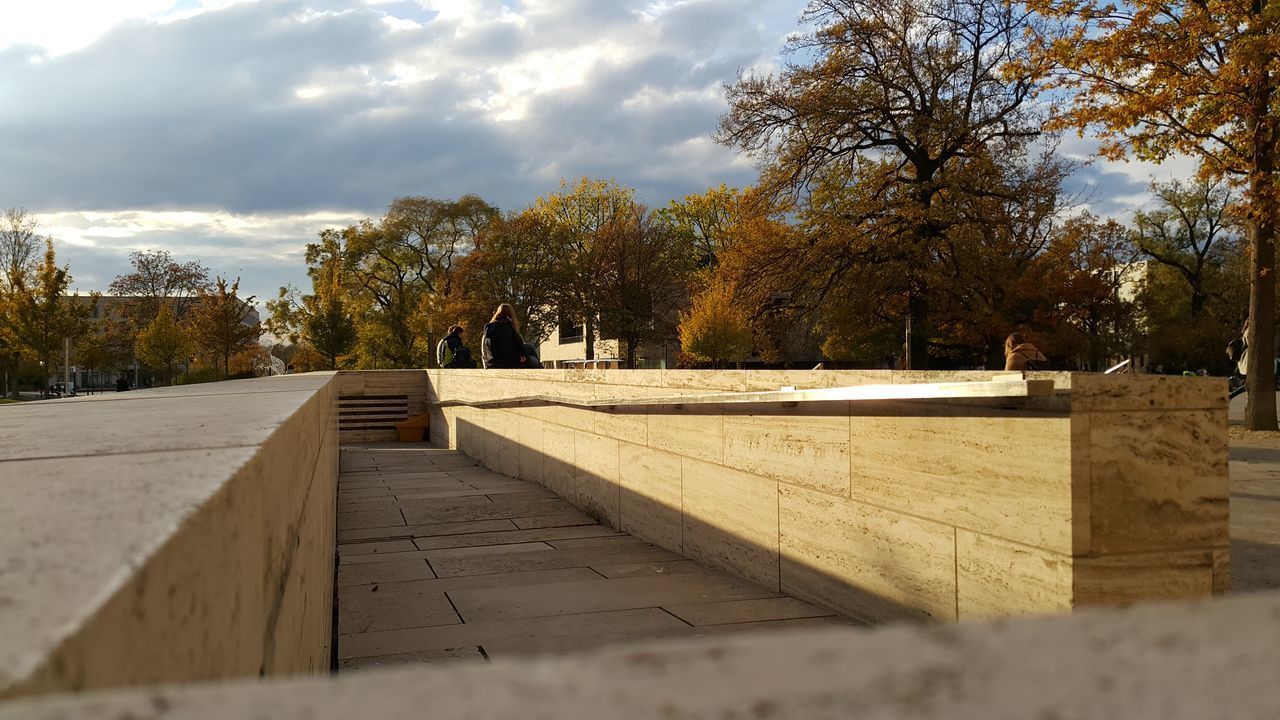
(1245, 453)
(1255, 566)
(669, 527)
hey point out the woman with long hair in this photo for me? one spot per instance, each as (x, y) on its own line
(502, 346)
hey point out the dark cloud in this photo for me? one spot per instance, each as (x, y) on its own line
(205, 113)
(1106, 190)
(281, 108)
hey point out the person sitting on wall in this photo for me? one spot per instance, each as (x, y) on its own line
(531, 357)
(1021, 355)
(451, 352)
(501, 345)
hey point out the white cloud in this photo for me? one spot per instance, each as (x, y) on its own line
(64, 26)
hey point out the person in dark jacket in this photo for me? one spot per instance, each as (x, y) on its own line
(451, 352)
(502, 346)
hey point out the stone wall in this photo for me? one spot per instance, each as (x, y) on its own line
(1187, 661)
(1114, 490)
(167, 535)
(370, 402)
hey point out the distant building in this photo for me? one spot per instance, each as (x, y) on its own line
(567, 347)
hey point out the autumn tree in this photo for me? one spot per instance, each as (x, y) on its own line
(162, 343)
(44, 316)
(386, 292)
(216, 324)
(715, 328)
(20, 245)
(894, 94)
(514, 262)
(577, 216)
(1159, 78)
(321, 319)
(329, 331)
(157, 279)
(1190, 232)
(641, 287)
(1083, 290)
(773, 267)
(703, 221)
(107, 347)
(433, 234)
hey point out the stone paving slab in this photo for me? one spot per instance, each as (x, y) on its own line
(483, 566)
(357, 519)
(466, 582)
(424, 530)
(365, 504)
(1255, 512)
(661, 567)
(549, 535)
(422, 603)
(562, 633)
(373, 611)
(600, 595)
(370, 573)
(574, 518)
(473, 654)
(374, 548)
(480, 508)
(743, 611)
(550, 559)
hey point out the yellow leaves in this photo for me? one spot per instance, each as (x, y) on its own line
(715, 329)
(162, 342)
(1160, 78)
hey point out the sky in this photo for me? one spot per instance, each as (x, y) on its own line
(233, 131)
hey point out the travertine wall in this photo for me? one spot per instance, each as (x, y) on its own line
(411, 384)
(1185, 661)
(1112, 491)
(167, 535)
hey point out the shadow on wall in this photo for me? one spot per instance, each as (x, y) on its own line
(1255, 566)
(719, 544)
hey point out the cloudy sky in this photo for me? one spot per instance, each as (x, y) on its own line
(232, 131)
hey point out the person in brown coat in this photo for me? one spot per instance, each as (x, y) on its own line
(1021, 355)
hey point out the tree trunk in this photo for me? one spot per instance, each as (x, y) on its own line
(918, 306)
(1260, 380)
(1197, 302)
(1260, 408)
(589, 336)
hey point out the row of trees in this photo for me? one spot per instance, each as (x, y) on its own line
(909, 142)
(383, 292)
(909, 179)
(170, 314)
(735, 273)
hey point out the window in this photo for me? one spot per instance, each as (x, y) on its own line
(569, 332)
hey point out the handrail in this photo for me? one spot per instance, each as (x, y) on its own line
(995, 388)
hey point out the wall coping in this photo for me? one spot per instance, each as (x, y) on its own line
(92, 487)
(1175, 661)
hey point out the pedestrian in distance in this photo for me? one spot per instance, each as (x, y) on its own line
(501, 346)
(1021, 355)
(451, 352)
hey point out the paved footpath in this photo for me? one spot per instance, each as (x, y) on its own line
(1255, 512)
(1255, 504)
(442, 560)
